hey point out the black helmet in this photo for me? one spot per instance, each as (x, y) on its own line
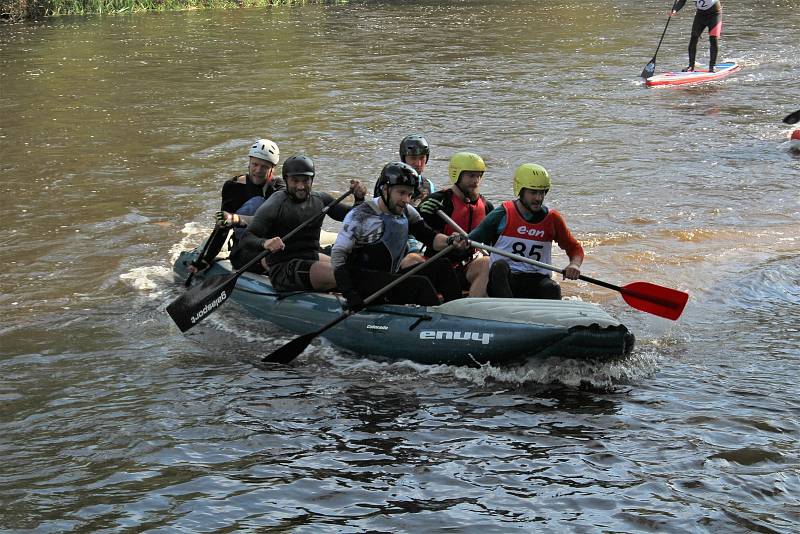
(414, 145)
(298, 165)
(397, 173)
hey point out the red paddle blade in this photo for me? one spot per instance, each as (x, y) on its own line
(658, 300)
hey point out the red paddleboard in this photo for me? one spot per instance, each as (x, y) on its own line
(721, 70)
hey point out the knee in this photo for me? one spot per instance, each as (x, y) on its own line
(411, 259)
(499, 274)
(480, 265)
(499, 268)
(551, 290)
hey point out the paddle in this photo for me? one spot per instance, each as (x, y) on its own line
(295, 347)
(196, 263)
(200, 301)
(651, 298)
(792, 118)
(650, 68)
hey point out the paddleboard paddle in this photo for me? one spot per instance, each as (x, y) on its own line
(650, 69)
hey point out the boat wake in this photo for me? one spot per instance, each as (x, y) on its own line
(150, 280)
(569, 372)
(640, 364)
(156, 281)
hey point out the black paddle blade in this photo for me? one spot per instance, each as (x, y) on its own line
(291, 350)
(792, 118)
(200, 301)
(649, 69)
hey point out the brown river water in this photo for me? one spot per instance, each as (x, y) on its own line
(117, 132)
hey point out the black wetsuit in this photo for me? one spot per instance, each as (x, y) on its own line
(278, 216)
(235, 193)
(709, 17)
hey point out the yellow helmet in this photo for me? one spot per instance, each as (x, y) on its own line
(464, 161)
(531, 176)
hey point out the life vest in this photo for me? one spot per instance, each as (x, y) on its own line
(384, 254)
(468, 215)
(531, 240)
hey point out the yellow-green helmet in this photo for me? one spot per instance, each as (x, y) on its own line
(531, 176)
(464, 161)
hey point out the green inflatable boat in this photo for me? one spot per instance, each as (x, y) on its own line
(468, 331)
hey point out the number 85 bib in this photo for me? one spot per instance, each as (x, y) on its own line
(532, 240)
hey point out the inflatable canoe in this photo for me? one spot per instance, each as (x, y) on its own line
(469, 331)
(721, 70)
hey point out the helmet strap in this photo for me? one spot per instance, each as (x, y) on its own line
(464, 193)
(385, 196)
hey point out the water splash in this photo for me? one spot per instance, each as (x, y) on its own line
(149, 279)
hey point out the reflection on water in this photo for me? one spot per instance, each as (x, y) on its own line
(116, 134)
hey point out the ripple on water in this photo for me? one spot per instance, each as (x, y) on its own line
(114, 420)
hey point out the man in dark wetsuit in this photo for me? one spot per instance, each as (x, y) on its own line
(368, 250)
(415, 151)
(709, 15)
(296, 265)
(463, 203)
(237, 191)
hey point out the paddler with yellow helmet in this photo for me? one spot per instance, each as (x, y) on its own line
(525, 226)
(464, 203)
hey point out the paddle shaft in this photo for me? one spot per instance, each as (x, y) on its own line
(299, 227)
(662, 35)
(391, 285)
(515, 257)
(293, 349)
(650, 68)
(202, 254)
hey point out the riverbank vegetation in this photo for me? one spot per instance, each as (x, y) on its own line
(16, 10)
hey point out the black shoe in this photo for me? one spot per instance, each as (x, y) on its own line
(711, 68)
(688, 69)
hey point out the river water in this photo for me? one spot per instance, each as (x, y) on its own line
(117, 133)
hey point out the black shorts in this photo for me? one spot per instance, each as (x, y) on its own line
(461, 268)
(703, 20)
(292, 275)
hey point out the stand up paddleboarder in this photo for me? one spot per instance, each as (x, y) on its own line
(709, 15)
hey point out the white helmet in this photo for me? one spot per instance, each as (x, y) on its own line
(266, 150)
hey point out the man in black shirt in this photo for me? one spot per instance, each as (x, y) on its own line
(298, 264)
(259, 183)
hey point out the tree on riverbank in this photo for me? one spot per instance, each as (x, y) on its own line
(17, 10)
